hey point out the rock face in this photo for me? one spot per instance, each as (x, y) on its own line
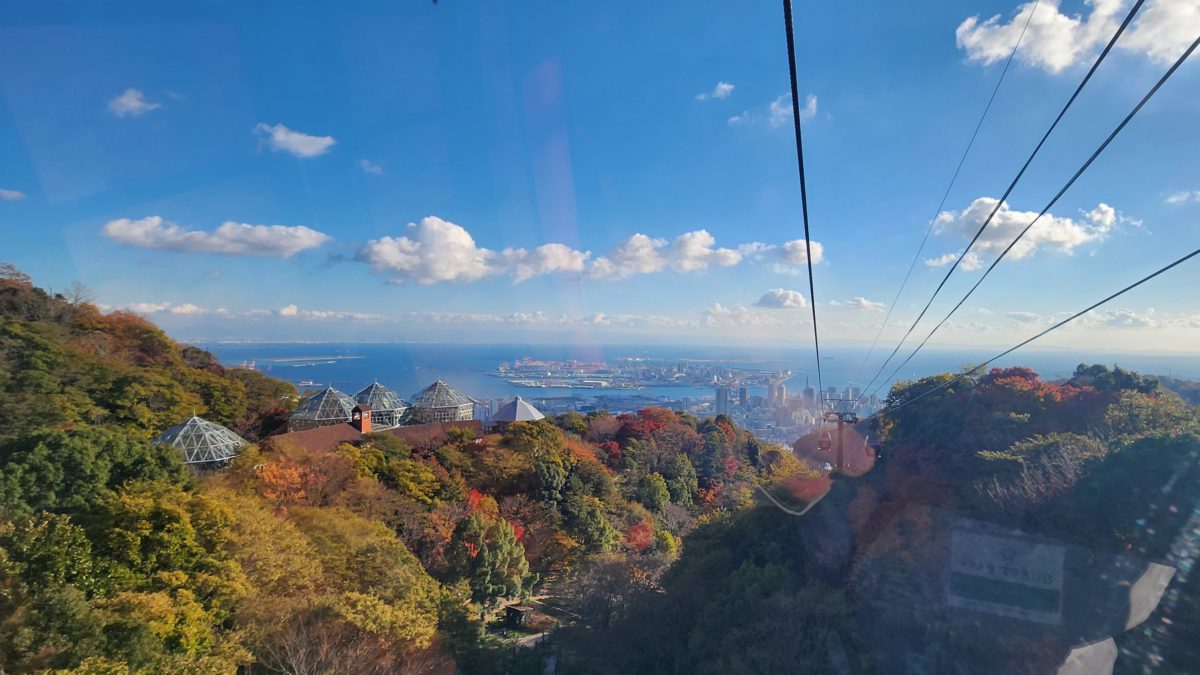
(940, 591)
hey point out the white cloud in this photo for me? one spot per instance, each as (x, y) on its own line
(544, 259)
(970, 262)
(969, 326)
(437, 250)
(796, 252)
(146, 307)
(780, 111)
(1103, 216)
(434, 250)
(1055, 41)
(286, 312)
(779, 298)
(695, 251)
(793, 256)
(544, 319)
(282, 139)
(642, 254)
(1174, 198)
(131, 103)
(368, 167)
(755, 249)
(722, 90)
(777, 113)
(1122, 318)
(1164, 29)
(233, 238)
(942, 260)
(327, 315)
(11, 195)
(860, 303)
(1055, 232)
(639, 254)
(187, 309)
(719, 316)
(1025, 317)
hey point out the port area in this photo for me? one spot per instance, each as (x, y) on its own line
(632, 375)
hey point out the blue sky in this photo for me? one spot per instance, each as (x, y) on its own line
(600, 171)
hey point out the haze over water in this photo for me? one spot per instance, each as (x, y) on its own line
(409, 367)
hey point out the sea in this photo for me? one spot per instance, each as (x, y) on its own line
(409, 367)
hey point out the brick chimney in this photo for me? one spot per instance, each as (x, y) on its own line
(360, 418)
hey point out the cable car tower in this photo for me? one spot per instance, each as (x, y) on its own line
(825, 440)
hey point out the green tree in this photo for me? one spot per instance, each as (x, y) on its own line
(49, 551)
(572, 423)
(682, 481)
(652, 492)
(535, 439)
(486, 553)
(67, 471)
(550, 479)
(716, 450)
(587, 523)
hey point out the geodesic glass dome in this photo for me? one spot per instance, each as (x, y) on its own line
(202, 442)
(439, 402)
(326, 407)
(387, 408)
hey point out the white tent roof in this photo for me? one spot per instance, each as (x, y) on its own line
(517, 410)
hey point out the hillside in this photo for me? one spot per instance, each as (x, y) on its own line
(377, 556)
(1104, 468)
(652, 542)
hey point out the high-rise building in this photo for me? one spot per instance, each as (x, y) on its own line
(743, 396)
(810, 395)
(687, 404)
(722, 400)
(852, 392)
(781, 394)
(772, 395)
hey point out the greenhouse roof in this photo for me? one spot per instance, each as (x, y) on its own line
(201, 441)
(380, 397)
(326, 405)
(439, 395)
(517, 410)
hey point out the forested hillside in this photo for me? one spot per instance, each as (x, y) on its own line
(637, 543)
(373, 557)
(1108, 462)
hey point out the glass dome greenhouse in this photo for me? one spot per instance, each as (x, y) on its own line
(387, 408)
(439, 402)
(202, 442)
(326, 407)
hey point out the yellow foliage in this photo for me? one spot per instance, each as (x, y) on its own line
(402, 622)
(175, 618)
